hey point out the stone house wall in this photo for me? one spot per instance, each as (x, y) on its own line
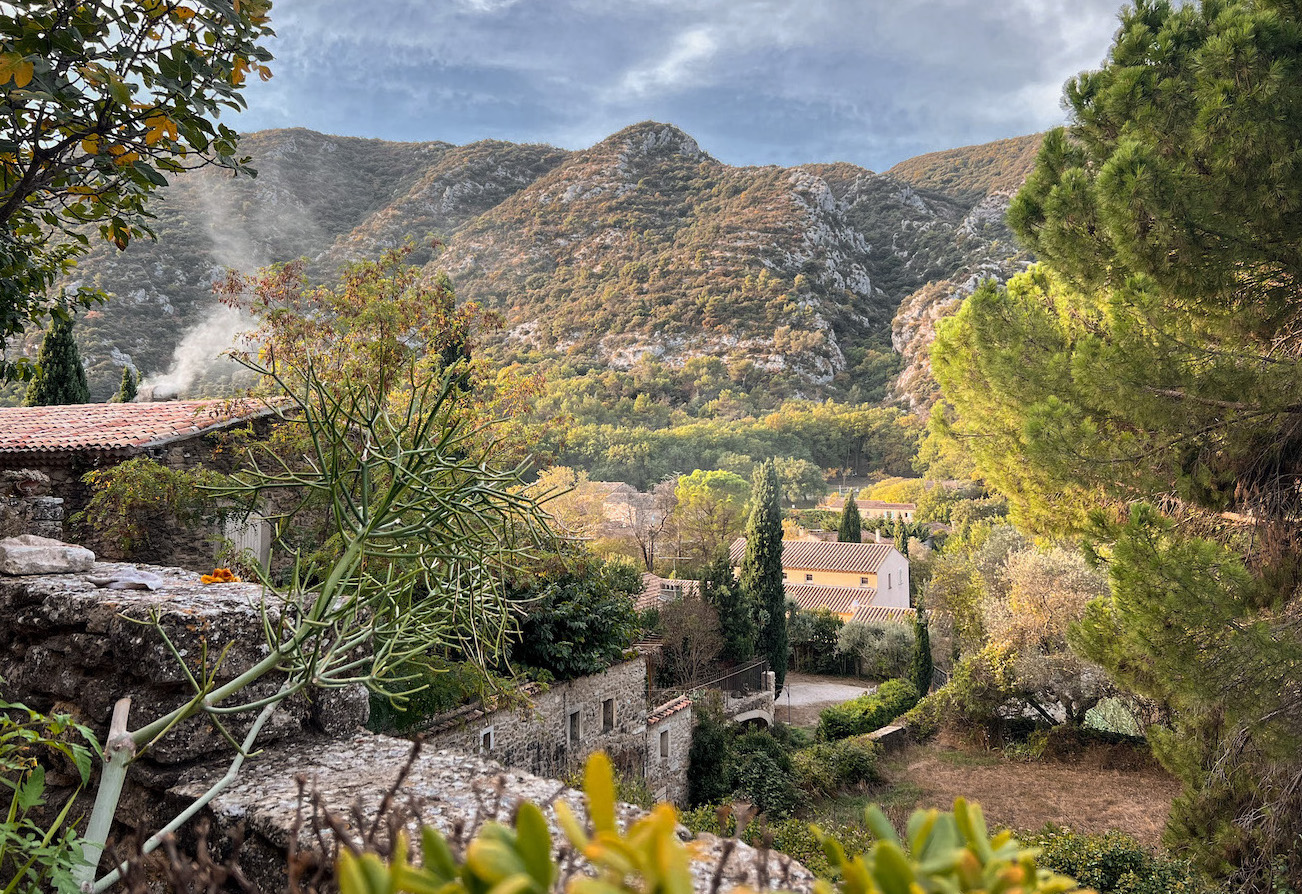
(668, 743)
(566, 723)
(26, 506)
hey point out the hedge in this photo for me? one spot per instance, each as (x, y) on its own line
(868, 712)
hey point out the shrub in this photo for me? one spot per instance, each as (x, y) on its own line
(1115, 863)
(140, 503)
(924, 720)
(868, 712)
(446, 687)
(881, 650)
(760, 772)
(826, 768)
(708, 756)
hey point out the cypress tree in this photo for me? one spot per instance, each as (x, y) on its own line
(60, 377)
(736, 621)
(901, 537)
(921, 668)
(126, 389)
(851, 524)
(761, 570)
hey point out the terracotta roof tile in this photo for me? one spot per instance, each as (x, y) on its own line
(669, 709)
(857, 602)
(871, 614)
(114, 427)
(839, 600)
(818, 555)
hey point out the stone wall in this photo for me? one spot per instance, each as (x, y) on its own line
(450, 790)
(194, 547)
(564, 723)
(26, 506)
(668, 742)
(68, 645)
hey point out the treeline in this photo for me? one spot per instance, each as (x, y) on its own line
(835, 437)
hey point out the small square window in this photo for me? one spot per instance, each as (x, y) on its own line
(664, 743)
(576, 727)
(809, 578)
(607, 715)
(486, 740)
(865, 582)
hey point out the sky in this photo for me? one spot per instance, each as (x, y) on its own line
(784, 82)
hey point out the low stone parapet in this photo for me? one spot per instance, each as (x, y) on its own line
(448, 790)
(70, 645)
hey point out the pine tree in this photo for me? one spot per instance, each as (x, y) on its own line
(1152, 354)
(126, 389)
(736, 620)
(761, 570)
(921, 668)
(60, 377)
(851, 525)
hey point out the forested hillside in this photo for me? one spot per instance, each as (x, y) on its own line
(641, 257)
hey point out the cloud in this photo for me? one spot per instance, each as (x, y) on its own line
(756, 81)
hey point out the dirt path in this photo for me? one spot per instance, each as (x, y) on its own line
(805, 695)
(1090, 794)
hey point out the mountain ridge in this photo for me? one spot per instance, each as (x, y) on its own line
(640, 248)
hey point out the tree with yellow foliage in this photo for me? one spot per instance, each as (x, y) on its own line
(100, 100)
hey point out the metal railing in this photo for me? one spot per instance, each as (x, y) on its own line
(747, 679)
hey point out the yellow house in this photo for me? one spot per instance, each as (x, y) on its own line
(861, 566)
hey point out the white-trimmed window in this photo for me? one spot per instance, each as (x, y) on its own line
(809, 578)
(576, 726)
(486, 740)
(664, 743)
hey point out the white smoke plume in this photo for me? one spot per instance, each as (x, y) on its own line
(199, 356)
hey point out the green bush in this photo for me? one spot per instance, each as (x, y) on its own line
(708, 756)
(1115, 863)
(924, 720)
(138, 503)
(447, 686)
(760, 772)
(868, 712)
(825, 768)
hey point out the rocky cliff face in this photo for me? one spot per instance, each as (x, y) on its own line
(914, 326)
(641, 245)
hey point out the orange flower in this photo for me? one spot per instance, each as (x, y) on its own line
(219, 576)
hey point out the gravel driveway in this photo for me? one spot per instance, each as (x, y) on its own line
(804, 695)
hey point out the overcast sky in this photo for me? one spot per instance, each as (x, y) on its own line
(754, 81)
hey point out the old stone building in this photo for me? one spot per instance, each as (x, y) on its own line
(50, 449)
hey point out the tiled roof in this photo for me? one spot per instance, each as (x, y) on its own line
(817, 555)
(855, 602)
(870, 614)
(115, 428)
(669, 709)
(838, 600)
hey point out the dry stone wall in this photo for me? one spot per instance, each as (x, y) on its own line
(450, 790)
(68, 645)
(26, 506)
